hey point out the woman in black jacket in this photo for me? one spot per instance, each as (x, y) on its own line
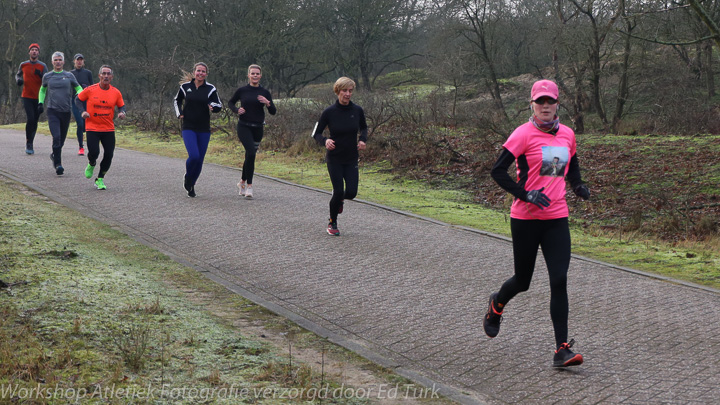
(193, 104)
(253, 100)
(344, 120)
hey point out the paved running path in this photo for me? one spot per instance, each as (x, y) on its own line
(407, 292)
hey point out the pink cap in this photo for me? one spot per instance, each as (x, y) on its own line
(544, 88)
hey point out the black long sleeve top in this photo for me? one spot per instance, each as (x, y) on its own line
(254, 110)
(192, 103)
(83, 76)
(344, 123)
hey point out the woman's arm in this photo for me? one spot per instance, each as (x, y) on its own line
(500, 174)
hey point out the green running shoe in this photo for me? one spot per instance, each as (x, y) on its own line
(89, 171)
(100, 184)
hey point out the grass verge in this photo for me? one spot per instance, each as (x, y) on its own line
(88, 315)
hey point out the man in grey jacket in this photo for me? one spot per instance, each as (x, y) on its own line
(57, 91)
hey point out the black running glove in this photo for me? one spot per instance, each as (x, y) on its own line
(538, 198)
(40, 109)
(20, 82)
(582, 191)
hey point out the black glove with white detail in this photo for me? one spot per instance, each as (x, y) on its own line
(538, 198)
(582, 191)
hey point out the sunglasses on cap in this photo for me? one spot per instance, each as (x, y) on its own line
(545, 100)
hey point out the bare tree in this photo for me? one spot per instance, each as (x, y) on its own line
(601, 17)
(369, 36)
(685, 24)
(481, 18)
(623, 85)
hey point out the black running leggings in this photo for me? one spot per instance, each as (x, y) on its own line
(94, 139)
(553, 236)
(58, 122)
(250, 138)
(31, 111)
(344, 178)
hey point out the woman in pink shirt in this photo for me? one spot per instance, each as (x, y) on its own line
(544, 153)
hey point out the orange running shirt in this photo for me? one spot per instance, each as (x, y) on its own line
(101, 107)
(32, 74)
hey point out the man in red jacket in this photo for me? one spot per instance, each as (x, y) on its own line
(30, 75)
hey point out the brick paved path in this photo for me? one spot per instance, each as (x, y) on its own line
(404, 291)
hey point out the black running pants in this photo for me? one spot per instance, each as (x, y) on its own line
(107, 139)
(58, 122)
(553, 237)
(31, 111)
(250, 138)
(344, 178)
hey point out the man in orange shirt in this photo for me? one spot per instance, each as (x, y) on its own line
(97, 105)
(30, 76)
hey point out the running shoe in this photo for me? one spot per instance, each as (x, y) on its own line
(189, 188)
(29, 149)
(241, 187)
(186, 184)
(332, 228)
(89, 171)
(492, 320)
(100, 184)
(564, 357)
(58, 169)
(81, 151)
(249, 192)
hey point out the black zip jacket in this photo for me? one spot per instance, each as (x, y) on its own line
(344, 122)
(192, 103)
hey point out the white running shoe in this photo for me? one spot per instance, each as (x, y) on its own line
(249, 191)
(242, 186)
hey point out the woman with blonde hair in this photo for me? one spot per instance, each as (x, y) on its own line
(254, 99)
(345, 120)
(193, 104)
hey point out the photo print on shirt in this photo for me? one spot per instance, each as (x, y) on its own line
(554, 160)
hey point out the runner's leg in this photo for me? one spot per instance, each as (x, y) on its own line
(55, 127)
(80, 121)
(526, 239)
(250, 137)
(93, 147)
(555, 246)
(31, 112)
(335, 170)
(108, 143)
(352, 177)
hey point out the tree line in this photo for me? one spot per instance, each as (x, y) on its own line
(614, 60)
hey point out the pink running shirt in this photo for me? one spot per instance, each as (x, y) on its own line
(548, 158)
